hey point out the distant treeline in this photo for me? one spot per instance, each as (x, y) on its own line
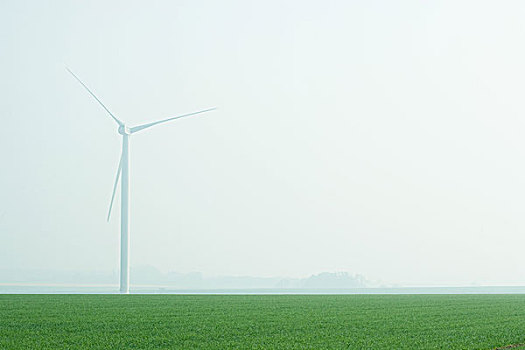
(151, 276)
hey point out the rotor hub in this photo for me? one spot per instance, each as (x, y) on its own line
(124, 130)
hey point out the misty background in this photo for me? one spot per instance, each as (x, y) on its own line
(369, 138)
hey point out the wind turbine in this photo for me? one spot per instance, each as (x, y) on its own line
(123, 168)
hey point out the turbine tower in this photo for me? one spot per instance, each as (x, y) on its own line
(123, 171)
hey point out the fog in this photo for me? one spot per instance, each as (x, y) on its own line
(376, 138)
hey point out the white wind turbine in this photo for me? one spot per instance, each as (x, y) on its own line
(123, 168)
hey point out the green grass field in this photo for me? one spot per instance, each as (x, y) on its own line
(261, 321)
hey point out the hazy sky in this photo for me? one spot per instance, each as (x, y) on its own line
(384, 138)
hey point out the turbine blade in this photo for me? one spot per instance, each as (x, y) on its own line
(145, 126)
(115, 186)
(95, 97)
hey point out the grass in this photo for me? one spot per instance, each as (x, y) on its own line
(261, 321)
